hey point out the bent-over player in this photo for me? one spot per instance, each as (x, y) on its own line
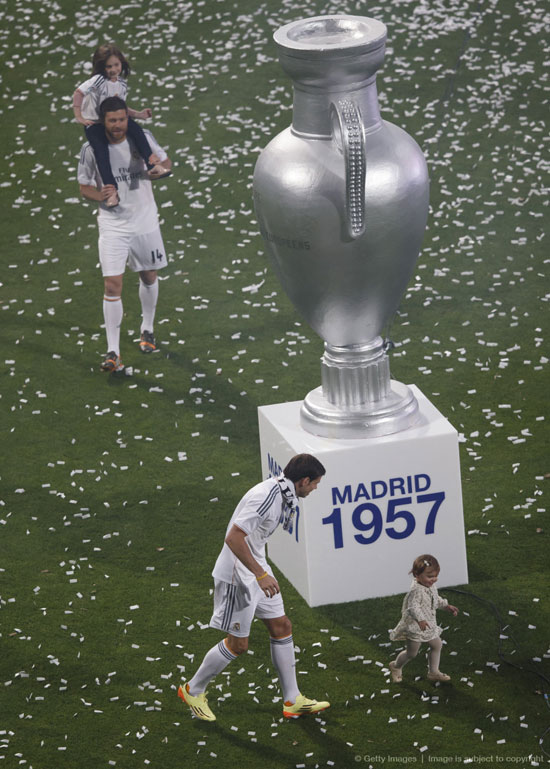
(128, 232)
(244, 587)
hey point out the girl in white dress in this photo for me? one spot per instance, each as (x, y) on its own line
(418, 623)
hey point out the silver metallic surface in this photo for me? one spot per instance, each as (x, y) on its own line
(342, 201)
(352, 140)
(355, 375)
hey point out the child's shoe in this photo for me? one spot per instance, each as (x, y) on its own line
(113, 200)
(438, 676)
(158, 171)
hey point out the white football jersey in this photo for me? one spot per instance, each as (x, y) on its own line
(137, 211)
(258, 514)
(95, 90)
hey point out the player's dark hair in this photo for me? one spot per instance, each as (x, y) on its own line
(303, 466)
(111, 104)
(105, 52)
(424, 562)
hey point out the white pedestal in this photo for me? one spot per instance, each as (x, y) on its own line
(383, 502)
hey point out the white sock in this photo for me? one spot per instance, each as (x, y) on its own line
(112, 313)
(282, 655)
(213, 663)
(148, 295)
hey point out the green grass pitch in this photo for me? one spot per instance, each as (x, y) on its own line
(115, 491)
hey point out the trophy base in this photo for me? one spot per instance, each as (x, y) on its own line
(393, 413)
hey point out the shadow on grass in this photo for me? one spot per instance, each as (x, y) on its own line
(299, 735)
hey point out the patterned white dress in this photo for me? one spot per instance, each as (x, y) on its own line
(419, 604)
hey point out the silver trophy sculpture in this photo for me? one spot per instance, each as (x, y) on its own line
(342, 201)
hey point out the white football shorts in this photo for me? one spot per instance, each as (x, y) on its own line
(141, 252)
(235, 606)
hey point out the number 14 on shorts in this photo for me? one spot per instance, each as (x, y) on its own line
(156, 255)
(368, 519)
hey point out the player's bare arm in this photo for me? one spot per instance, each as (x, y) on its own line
(236, 542)
(95, 194)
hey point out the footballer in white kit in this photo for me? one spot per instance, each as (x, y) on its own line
(238, 596)
(129, 232)
(245, 587)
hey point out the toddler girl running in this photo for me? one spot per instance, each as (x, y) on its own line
(418, 623)
(109, 70)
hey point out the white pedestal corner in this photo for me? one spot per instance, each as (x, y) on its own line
(383, 502)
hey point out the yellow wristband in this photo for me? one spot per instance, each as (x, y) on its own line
(265, 574)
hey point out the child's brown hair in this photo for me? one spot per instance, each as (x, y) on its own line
(424, 562)
(105, 52)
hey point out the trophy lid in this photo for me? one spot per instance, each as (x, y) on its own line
(332, 35)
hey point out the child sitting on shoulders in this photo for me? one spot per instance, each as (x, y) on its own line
(109, 72)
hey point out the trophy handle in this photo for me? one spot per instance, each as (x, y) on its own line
(349, 134)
